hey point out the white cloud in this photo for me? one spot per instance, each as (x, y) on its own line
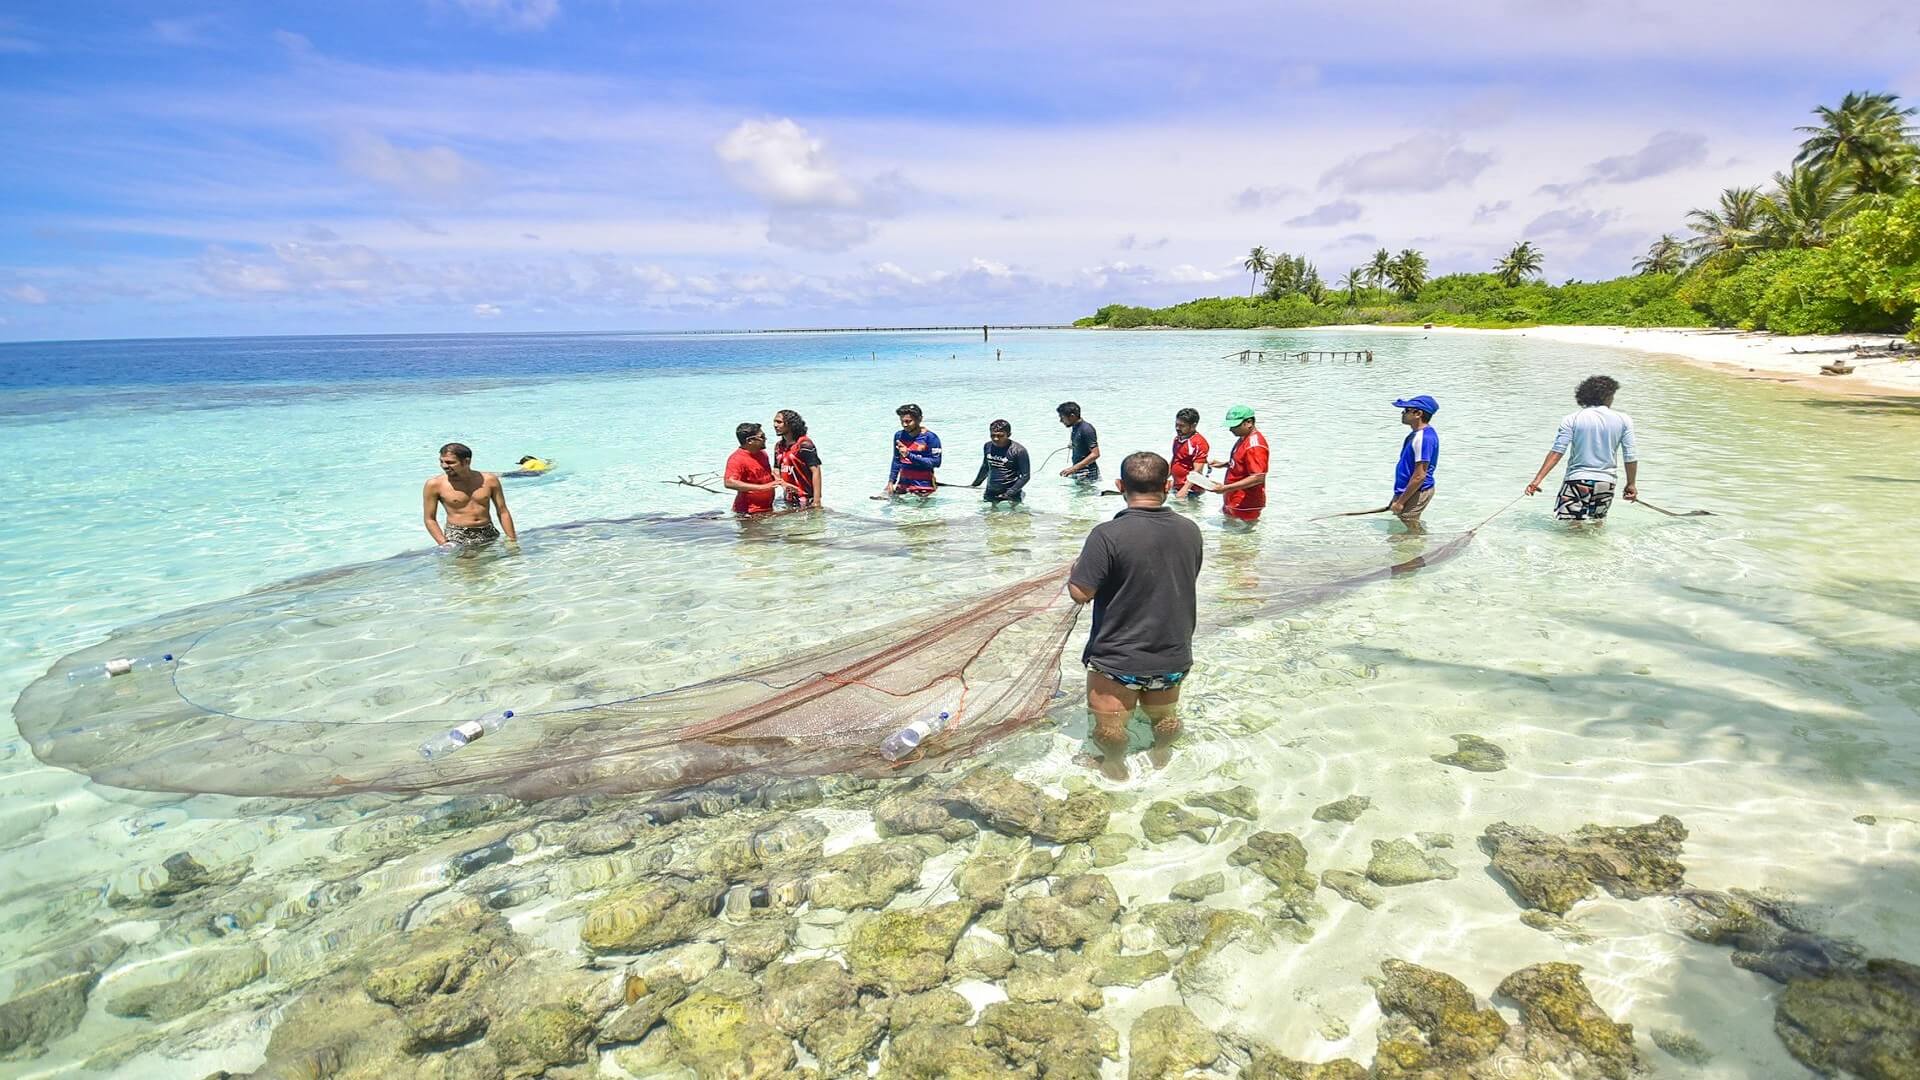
(1422, 163)
(1569, 223)
(427, 171)
(1486, 212)
(780, 162)
(27, 294)
(1337, 212)
(1186, 274)
(1666, 152)
(486, 311)
(1259, 198)
(812, 204)
(513, 14)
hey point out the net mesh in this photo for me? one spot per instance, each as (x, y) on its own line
(348, 717)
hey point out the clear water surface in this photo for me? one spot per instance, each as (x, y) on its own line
(1751, 672)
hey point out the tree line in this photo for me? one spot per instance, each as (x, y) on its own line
(1831, 244)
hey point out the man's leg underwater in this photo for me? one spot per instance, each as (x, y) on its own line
(1109, 706)
(1163, 708)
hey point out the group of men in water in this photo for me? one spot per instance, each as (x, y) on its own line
(1138, 569)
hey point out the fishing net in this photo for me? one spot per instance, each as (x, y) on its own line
(627, 668)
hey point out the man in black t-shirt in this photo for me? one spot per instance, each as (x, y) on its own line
(1138, 570)
(1003, 465)
(1083, 444)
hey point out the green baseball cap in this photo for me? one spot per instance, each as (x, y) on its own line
(1238, 415)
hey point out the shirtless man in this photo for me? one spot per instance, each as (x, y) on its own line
(471, 499)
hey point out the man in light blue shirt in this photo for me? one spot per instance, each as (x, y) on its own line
(1590, 440)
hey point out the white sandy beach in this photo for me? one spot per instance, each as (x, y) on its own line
(1778, 357)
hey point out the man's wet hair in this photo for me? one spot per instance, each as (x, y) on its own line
(1068, 408)
(796, 427)
(524, 460)
(459, 450)
(1596, 390)
(910, 409)
(1144, 473)
(746, 431)
(1188, 416)
(999, 427)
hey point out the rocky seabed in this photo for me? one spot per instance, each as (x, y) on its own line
(968, 931)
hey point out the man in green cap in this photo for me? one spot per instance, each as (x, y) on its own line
(1245, 488)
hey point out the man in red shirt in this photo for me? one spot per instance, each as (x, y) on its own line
(1189, 451)
(749, 475)
(1246, 485)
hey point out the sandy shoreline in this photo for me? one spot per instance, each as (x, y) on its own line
(1794, 359)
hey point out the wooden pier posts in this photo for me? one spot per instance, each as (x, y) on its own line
(1353, 356)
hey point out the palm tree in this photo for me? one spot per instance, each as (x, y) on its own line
(1730, 228)
(1259, 262)
(1802, 208)
(1519, 264)
(1667, 255)
(1408, 272)
(1379, 268)
(1866, 140)
(1352, 282)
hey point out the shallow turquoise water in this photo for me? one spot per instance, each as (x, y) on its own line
(1751, 672)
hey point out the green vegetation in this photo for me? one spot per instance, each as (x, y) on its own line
(1833, 245)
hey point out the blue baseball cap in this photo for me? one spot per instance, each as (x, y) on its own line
(1424, 403)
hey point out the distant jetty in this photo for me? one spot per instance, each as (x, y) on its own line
(984, 328)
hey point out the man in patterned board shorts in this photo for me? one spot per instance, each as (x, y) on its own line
(1138, 571)
(471, 499)
(1591, 439)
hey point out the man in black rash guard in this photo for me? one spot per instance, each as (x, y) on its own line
(1003, 465)
(1083, 444)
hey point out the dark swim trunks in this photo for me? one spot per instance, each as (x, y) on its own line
(1583, 500)
(471, 535)
(1142, 682)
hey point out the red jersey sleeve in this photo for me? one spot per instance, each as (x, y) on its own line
(1254, 454)
(1199, 447)
(737, 466)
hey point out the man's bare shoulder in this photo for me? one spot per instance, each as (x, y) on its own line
(435, 483)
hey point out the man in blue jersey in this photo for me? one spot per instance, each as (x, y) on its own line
(916, 453)
(1419, 457)
(1590, 440)
(1004, 466)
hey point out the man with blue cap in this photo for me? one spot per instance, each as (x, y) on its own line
(1419, 457)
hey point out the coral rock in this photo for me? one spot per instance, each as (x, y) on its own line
(1399, 862)
(1168, 1042)
(1555, 872)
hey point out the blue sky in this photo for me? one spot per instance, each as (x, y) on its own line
(435, 165)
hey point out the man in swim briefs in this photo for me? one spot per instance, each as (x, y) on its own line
(1138, 570)
(916, 454)
(1590, 439)
(470, 498)
(1004, 466)
(1189, 451)
(1245, 487)
(1083, 444)
(748, 475)
(798, 459)
(1419, 458)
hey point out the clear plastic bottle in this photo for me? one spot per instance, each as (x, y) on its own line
(125, 665)
(454, 738)
(908, 739)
